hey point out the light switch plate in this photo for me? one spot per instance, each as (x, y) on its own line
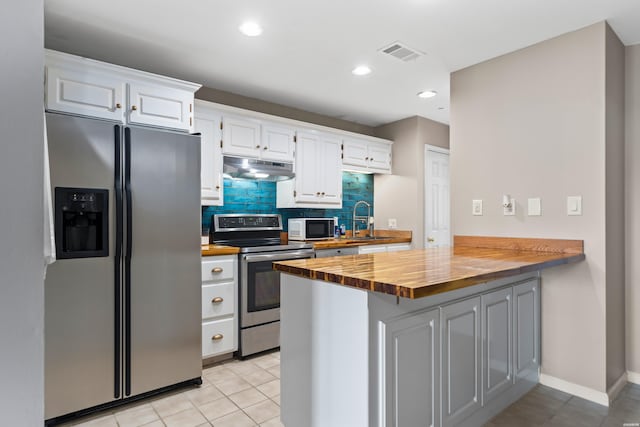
(392, 223)
(574, 205)
(533, 207)
(476, 207)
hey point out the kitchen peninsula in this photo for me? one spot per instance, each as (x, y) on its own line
(437, 337)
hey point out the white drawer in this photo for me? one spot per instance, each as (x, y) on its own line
(222, 329)
(217, 269)
(218, 299)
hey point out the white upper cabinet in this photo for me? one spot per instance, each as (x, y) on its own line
(277, 142)
(240, 137)
(257, 139)
(77, 92)
(158, 105)
(318, 167)
(91, 88)
(363, 155)
(207, 123)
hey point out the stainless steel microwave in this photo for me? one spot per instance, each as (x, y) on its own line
(311, 228)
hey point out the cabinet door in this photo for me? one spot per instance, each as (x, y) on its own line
(411, 370)
(277, 143)
(497, 343)
(330, 179)
(461, 367)
(211, 186)
(379, 157)
(88, 94)
(240, 137)
(526, 328)
(396, 247)
(371, 249)
(307, 168)
(355, 153)
(161, 106)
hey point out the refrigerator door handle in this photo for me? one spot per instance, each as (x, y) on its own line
(127, 260)
(117, 263)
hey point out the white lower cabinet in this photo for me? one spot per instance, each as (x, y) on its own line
(393, 247)
(324, 253)
(219, 300)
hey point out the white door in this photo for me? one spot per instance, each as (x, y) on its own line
(162, 106)
(437, 200)
(240, 137)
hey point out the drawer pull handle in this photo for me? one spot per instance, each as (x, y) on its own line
(217, 300)
(217, 337)
(216, 270)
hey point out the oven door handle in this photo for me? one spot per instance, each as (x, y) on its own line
(277, 257)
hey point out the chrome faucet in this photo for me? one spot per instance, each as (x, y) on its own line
(365, 219)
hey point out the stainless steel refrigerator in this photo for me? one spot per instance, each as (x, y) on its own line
(122, 301)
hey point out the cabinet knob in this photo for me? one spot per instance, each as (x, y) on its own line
(371, 159)
(430, 239)
(217, 300)
(264, 148)
(216, 270)
(134, 108)
(258, 146)
(118, 105)
(217, 187)
(317, 193)
(217, 337)
(366, 158)
(322, 193)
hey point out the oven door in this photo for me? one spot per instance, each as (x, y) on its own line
(260, 286)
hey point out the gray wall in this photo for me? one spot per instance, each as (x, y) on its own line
(253, 104)
(21, 225)
(401, 195)
(533, 123)
(632, 157)
(615, 230)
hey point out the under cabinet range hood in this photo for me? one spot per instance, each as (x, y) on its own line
(237, 167)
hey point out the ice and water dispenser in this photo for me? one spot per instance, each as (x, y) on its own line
(82, 222)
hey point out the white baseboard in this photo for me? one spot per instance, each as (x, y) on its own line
(633, 377)
(575, 389)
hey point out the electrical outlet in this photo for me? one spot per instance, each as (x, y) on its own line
(392, 223)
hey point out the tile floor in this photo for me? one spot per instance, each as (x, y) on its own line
(233, 394)
(247, 393)
(544, 406)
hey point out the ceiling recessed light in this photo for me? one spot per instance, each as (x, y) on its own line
(427, 94)
(250, 28)
(361, 70)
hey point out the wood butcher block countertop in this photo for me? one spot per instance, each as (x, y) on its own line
(424, 272)
(212, 250)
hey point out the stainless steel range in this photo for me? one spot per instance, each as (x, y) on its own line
(258, 237)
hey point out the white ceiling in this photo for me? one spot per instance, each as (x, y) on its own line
(308, 48)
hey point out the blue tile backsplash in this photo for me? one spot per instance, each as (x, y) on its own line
(245, 196)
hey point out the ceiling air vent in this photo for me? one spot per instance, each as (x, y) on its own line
(401, 51)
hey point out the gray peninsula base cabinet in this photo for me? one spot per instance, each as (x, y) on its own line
(351, 357)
